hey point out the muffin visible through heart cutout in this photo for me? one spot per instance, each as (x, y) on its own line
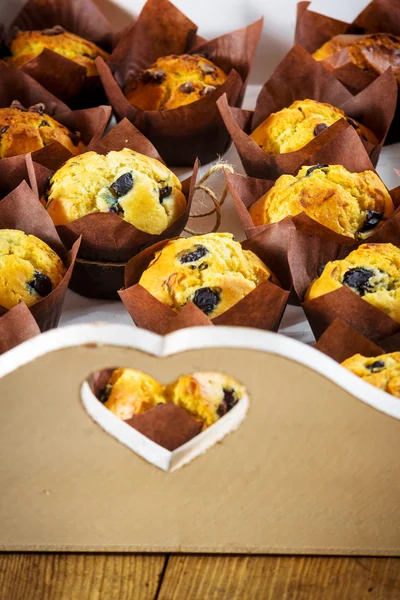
(168, 425)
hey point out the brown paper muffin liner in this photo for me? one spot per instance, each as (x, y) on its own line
(194, 130)
(299, 76)
(16, 326)
(165, 424)
(340, 341)
(262, 308)
(314, 29)
(108, 241)
(90, 122)
(61, 76)
(22, 210)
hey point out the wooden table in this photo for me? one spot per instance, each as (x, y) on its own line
(191, 577)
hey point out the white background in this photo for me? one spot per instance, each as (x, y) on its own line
(215, 17)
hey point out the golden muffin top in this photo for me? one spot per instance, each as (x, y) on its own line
(375, 52)
(174, 81)
(372, 271)
(24, 130)
(139, 189)
(29, 268)
(211, 270)
(381, 371)
(292, 128)
(26, 45)
(352, 204)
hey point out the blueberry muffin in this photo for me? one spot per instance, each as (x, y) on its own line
(140, 189)
(26, 45)
(174, 81)
(382, 371)
(131, 392)
(205, 396)
(24, 130)
(352, 204)
(212, 270)
(29, 268)
(374, 53)
(372, 271)
(294, 127)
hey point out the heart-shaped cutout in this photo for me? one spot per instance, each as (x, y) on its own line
(167, 425)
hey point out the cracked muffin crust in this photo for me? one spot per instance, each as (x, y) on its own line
(29, 268)
(140, 189)
(174, 81)
(374, 53)
(351, 204)
(294, 127)
(26, 45)
(372, 271)
(211, 270)
(205, 396)
(24, 130)
(381, 371)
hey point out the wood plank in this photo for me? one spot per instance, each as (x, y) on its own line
(280, 578)
(80, 576)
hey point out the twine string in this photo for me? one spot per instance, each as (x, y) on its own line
(217, 202)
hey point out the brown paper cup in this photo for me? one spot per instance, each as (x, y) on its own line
(194, 130)
(108, 241)
(262, 308)
(90, 123)
(22, 210)
(340, 342)
(297, 77)
(64, 78)
(313, 30)
(16, 326)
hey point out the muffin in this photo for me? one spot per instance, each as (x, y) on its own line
(139, 189)
(374, 53)
(131, 392)
(174, 81)
(205, 396)
(382, 371)
(372, 271)
(211, 270)
(29, 268)
(26, 45)
(24, 130)
(292, 128)
(351, 204)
